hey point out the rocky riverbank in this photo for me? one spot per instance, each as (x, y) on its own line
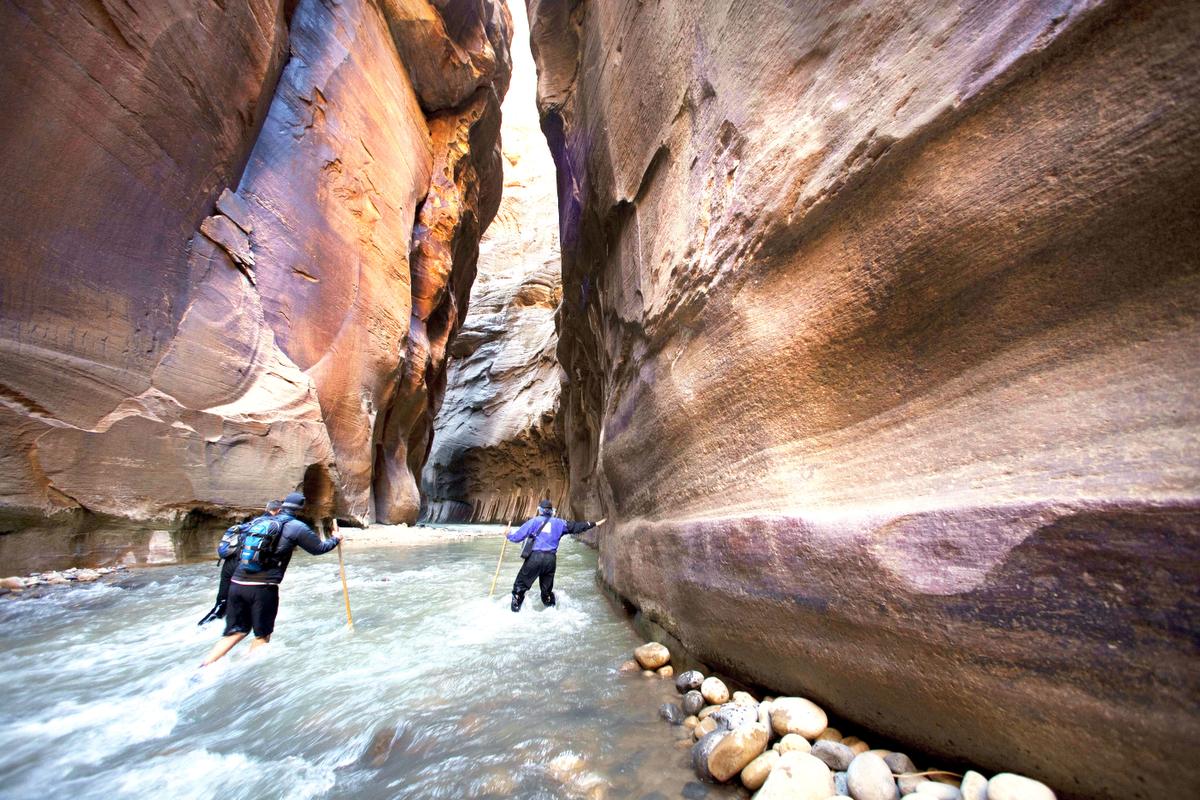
(783, 748)
(16, 585)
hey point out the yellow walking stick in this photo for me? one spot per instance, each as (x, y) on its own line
(495, 577)
(345, 588)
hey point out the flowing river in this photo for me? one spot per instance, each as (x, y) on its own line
(439, 692)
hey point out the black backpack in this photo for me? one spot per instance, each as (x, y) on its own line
(528, 546)
(259, 543)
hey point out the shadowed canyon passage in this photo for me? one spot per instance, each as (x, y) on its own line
(873, 330)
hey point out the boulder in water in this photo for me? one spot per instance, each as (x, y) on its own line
(652, 655)
(671, 713)
(665, 671)
(693, 701)
(688, 681)
(736, 750)
(14, 583)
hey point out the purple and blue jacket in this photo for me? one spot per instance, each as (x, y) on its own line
(547, 540)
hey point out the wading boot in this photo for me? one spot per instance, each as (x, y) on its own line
(548, 599)
(517, 599)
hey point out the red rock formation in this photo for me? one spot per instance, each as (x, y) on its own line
(497, 448)
(197, 315)
(881, 346)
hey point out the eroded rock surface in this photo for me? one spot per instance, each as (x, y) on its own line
(880, 342)
(497, 447)
(208, 297)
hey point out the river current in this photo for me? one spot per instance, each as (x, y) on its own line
(440, 692)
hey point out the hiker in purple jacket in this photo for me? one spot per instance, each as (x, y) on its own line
(542, 535)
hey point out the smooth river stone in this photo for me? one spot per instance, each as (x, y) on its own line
(870, 779)
(756, 772)
(688, 681)
(732, 716)
(704, 727)
(835, 754)
(856, 744)
(693, 701)
(1007, 786)
(797, 715)
(665, 671)
(744, 698)
(702, 749)
(715, 691)
(899, 763)
(736, 750)
(974, 786)
(652, 655)
(937, 791)
(831, 735)
(671, 713)
(794, 742)
(797, 776)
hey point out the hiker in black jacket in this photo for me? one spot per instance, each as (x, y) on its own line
(254, 587)
(228, 551)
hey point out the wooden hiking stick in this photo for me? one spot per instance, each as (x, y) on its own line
(495, 577)
(345, 588)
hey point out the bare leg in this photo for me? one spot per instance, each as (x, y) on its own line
(223, 646)
(259, 641)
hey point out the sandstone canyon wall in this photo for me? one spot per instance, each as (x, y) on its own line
(236, 240)
(497, 445)
(881, 347)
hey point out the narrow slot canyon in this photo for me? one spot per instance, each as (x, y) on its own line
(855, 347)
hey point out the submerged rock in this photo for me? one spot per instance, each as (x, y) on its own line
(671, 713)
(652, 655)
(736, 750)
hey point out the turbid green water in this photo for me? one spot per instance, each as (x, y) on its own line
(439, 693)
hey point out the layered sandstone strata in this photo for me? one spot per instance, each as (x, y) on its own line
(209, 211)
(881, 348)
(497, 447)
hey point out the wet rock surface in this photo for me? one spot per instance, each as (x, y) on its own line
(930, 310)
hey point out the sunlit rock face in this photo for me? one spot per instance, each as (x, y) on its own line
(497, 446)
(208, 294)
(881, 347)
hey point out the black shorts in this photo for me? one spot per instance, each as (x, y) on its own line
(252, 607)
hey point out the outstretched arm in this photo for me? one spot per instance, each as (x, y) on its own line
(312, 543)
(522, 532)
(580, 527)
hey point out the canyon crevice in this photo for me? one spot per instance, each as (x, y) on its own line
(879, 335)
(237, 242)
(497, 448)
